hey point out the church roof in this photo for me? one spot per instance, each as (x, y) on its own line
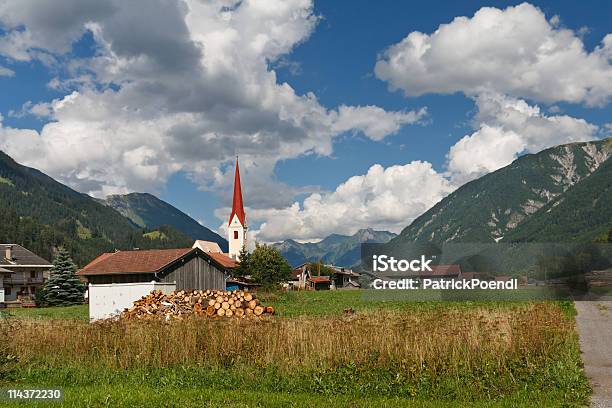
(237, 206)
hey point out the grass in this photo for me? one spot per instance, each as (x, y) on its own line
(7, 181)
(79, 312)
(293, 304)
(390, 353)
(155, 235)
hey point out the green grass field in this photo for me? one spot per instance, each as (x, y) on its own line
(69, 312)
(293, 304)
(391, 353)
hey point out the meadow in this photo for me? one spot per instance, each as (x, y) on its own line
(312, 354)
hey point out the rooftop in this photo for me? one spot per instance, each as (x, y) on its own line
(146, 261)
(20, 256)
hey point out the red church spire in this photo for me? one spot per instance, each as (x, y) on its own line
(237, 206)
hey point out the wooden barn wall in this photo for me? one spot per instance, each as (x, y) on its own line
(196, 274)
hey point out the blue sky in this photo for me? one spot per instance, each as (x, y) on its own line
(335, 59)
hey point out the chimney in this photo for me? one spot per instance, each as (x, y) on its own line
(8, 252)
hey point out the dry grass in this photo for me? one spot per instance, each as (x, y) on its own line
(442, 341)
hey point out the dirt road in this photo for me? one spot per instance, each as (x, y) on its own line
(594, 322)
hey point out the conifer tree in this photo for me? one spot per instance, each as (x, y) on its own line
(63, 287)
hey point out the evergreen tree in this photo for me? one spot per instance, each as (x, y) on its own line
(243, 269)
(63, 287)
(267, 266)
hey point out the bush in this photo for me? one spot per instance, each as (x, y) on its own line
(266, 266)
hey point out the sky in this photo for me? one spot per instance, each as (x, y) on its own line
(345, 115)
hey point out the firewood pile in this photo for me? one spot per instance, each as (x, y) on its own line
(205, 303)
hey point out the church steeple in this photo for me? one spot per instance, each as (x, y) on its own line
(237, 206)
(237, 226)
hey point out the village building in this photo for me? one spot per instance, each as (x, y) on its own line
(442, 272)
(22, 272)
(117, 279)
(207, 246)
(345, 278)
(188, 268)
(302, 278)
(320, 283)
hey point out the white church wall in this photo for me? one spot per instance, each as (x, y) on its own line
(236, 229)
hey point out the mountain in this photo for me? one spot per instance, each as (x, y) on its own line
(147, 211)
(42, 214)
(559, 194)
(341, 250)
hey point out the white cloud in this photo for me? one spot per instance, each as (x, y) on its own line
(514, 51)
(374, 122)
(383, 198)
(4, 71)
(187, 97)
(507, 127)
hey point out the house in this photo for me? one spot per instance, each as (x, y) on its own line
(345, 278)
(21, 273)
(207, 246)
(475, 275)
(117, 279)
(302, 278)
(439, 272)
(299, 277)
(319, 282)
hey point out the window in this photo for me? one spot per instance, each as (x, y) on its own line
(235, 234)
(33, 274)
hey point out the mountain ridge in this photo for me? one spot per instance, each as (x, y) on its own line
(496, 205)
(337, 249)
(43, 214)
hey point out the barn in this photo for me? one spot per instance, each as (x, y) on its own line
(116, 279)
(188, 268)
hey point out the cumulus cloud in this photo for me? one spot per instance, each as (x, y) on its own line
(514, 51)
(383, 198)
(151, 102)
(4, 71)
(505, 128)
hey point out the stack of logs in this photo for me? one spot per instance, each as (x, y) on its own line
(210, 303)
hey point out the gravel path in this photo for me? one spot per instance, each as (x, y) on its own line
(594, 322)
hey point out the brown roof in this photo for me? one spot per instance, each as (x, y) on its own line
(20, 256)
(319, 279)
(147, 261)
(222, 259)
(472, 275)
(442, 270)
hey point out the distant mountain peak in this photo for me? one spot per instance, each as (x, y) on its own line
(337, 249)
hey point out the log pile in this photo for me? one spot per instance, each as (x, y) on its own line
(181, 304)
